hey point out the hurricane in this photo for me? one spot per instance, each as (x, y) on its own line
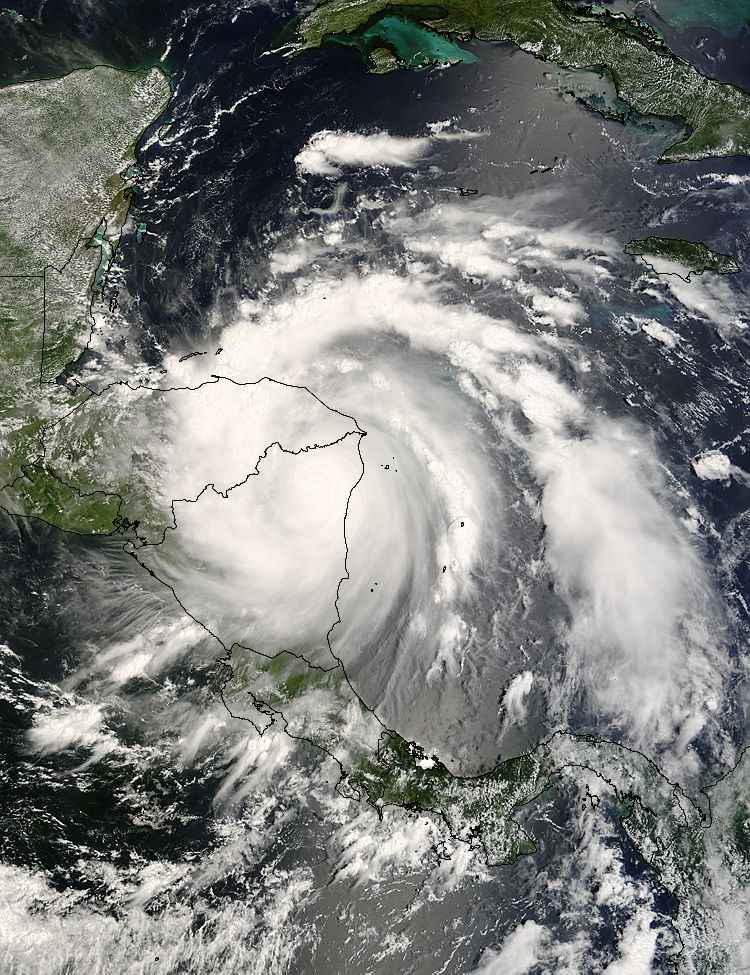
(374, 571)
(507, 520)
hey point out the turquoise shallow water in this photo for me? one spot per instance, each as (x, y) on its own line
(727, 16)
(415, 45)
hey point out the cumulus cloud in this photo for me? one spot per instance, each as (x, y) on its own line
(327, 152)
(636, 588)
(371, 849)
(710, 297)
(713, 465)
(71, 726)
(637, 946)
(447, 130)
(518, 954)
(497, 239)
(667, 336)
(514, 699)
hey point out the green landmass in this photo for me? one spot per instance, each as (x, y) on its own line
(705, 864)
(702, 860)
(98, 448)
(67, 158)
(380, 766)
(693, 256)
(377, 764)
(108, 466)
(648, 77)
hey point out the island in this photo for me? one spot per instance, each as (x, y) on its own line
(672, 255)
(648, 76)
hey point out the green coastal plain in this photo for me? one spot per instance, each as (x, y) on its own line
(67, 162)
(648, 77)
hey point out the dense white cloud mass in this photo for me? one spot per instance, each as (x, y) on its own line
(221, 430)
(633, 582)
(261, 565)
(67, 726)
(519, 953)
(395, 398)
(455, 402)
(661, 333)
(327, 152)
(506, 247)
(409, 450)
(248, 486)
(514, 699)
(713, 465)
